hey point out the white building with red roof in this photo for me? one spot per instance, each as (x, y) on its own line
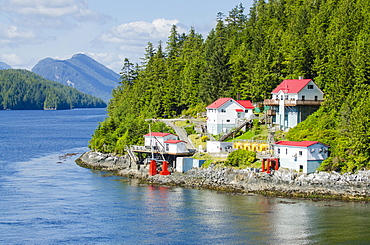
(157, 139)
(293, 101)
(175, 146)
(305, 156)
(227, 113)
(164, 142)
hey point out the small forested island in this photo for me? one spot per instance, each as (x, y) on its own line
(24, 90)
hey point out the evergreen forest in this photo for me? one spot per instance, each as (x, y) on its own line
(247, 54)
(24, 90)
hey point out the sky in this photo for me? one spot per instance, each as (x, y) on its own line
(106, 30)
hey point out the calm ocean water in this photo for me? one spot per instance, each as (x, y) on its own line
(45, 198)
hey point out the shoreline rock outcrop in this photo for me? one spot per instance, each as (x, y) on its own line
(282, 182)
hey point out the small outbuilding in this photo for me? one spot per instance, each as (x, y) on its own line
(305, 156)
(218, 146)
(175, 146)
(156, 139)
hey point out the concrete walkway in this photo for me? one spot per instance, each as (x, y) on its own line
(179, 131)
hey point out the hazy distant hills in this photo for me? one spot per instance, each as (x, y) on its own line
(4, 66)
(80, 72)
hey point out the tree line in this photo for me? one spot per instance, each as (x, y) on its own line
(248, 55)
(24, 90)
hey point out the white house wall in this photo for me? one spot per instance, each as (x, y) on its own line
(317, 152)
(309, 94)
(221, 122)
(290, 157)
(310, 158)
(156, 139)
(217, 146)
(176, 148)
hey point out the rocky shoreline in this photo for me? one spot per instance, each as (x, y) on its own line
(282, 183)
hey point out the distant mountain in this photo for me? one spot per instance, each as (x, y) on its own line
(24, 90)
(4, 66)
(80, 72)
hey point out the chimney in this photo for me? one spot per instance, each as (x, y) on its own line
(300, 77)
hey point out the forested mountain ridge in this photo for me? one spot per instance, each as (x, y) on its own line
(249, 55)
(80, 72)
(24, 90)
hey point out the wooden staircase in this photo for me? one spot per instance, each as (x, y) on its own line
(227, 135)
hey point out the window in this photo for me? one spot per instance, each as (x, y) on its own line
(278, 150)
(316, 98)
(286, 151)
(167, 147)
(282, 97)
(286, 97)
(300, 153)
(227, 120)
(303, 97)
(310, 86)
(223, 110)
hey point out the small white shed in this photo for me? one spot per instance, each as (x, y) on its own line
(175, 146)
(218, 147)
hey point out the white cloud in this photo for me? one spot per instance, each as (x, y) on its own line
(113, 61)
(13, 60)
(12, 35)
(139, 32)
(132, 38)
(47, 13)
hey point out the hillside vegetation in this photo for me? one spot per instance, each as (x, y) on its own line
(250, 54)
(24, 90)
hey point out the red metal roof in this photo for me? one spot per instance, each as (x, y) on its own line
(296, 143)
(291, 86)
(247, 104)
(218, 103)
(156, 134)
(174, 141)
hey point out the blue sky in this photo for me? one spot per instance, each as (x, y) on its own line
(106, 30)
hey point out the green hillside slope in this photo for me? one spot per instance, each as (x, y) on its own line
(249, 55)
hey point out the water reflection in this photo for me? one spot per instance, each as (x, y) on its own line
(53, 203)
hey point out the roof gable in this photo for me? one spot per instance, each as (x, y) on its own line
(174, 141)
(218, 103)
(291, 86)
(247, 104)
(156, 134)
(299, 144)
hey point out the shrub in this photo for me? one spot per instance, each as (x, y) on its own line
(204, 138)
(190, 130)
(241, 157)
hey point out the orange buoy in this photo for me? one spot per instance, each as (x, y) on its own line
(153, 168)
(164, 169)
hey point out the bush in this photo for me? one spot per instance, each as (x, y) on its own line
(190, 130)
(204, 138)
(241, 157)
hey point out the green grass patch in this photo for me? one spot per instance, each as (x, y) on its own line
(183, 123)
(218, 161)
